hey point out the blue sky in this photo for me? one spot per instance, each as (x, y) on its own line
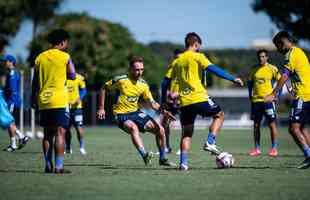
(221, 23)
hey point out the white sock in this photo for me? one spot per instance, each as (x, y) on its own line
(13, 142)
(19, 134)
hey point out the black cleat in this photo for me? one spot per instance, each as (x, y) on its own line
(305, 164)
(166, 162)
(23, 142)
(10, 149)
(148, 158)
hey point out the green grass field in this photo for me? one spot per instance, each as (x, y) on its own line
(113, 170)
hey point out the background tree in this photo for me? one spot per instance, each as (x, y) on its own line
(290, 15)
(99, 48)
(11, 19)
(14, 12)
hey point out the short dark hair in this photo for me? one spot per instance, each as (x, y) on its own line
(283, 34)
(135, 59)
(262, 51)
(57, 36)
(191, 38)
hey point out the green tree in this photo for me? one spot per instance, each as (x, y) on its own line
(11, 19)
(290, 15)
(99, 48)
(14, 12)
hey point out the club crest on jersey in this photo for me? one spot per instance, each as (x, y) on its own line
(132, 99)
(186, 91)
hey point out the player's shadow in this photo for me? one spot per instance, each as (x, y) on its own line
(88, 165)
(138, 168)
(29, 152)
(23, 171)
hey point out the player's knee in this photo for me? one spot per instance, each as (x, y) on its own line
(219, 116)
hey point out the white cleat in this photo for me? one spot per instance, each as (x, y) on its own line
(211, 148)
(83, 151)
(178, 152)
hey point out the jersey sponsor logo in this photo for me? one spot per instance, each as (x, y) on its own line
(186, 91)
(132, 99)
(260, 81)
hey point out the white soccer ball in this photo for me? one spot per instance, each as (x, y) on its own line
(224, 160)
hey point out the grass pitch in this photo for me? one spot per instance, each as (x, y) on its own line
(113, 170)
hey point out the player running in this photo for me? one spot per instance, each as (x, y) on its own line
(297, 69)
(49, 94)
(131, 120)
(194, 98)
(259, 85)
(77, 91)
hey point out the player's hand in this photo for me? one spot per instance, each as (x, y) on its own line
(77, 101)
(101, 113)
(169, 115)
(270, 98)
(238, 81)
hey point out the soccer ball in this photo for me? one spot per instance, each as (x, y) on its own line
(224, 160)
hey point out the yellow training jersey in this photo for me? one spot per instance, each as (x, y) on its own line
(129, 92)
(187, 70)
(51, 66)
(74, 87)
(262, 77)
(297, 63)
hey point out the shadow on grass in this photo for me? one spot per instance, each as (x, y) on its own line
(21, 171)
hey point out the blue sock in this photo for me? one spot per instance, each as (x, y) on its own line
(48, 160)
(81, 143)
(274, 144)
(162, 153)
(141, 152)
(257, 146)
(59, 162)
(211, 138)
(306, 150)
(184, 158)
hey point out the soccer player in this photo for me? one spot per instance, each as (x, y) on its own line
(77, 92)
(12, 97)
(260, 84)
(297, 69)
(170, 100)
(131, 120)
(49, 94)
(194, 98)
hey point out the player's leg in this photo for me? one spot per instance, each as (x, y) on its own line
(306, 134)
(78, 125)
(126, 123)
(185, 145)
(13, 138)
(47, 146)
(68, 137)
(299, 115)
(270, 115)
(152, 126)
(187, 117)
(59, 149)
(165, 122)
(207, 109)
(274, 141)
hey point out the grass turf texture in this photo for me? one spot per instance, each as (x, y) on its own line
(113, 170)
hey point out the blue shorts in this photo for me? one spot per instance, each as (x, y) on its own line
(58, 117)
(205, 109)
(260, 109)
(138, 117)
(300, 111)
(6, 118)
(76, 117)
